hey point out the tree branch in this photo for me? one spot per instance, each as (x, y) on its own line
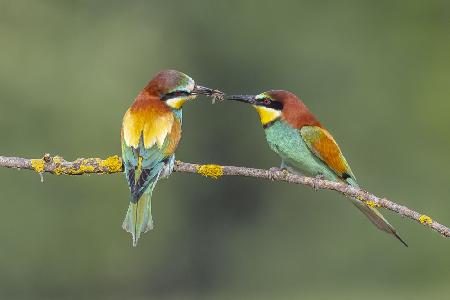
(58, 166)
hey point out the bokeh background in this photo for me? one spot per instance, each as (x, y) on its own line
(376, 73)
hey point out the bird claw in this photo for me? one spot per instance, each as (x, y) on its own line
(167, 168)
(276, 170)
(315, 182)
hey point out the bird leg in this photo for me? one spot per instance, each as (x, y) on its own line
(286, 168)
(283, 168)
(168, 167)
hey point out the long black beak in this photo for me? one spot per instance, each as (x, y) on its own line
(243, 98)
(201, 90)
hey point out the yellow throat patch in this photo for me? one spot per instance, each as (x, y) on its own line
(178, 102)
(266, 114)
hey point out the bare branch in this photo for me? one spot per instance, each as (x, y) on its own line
(58, 166)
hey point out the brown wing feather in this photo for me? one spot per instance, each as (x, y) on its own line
(173, 137)
(323, 145)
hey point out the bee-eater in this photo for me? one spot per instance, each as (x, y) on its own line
(151, 130)
(304, 145)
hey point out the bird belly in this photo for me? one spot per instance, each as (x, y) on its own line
(289, 145)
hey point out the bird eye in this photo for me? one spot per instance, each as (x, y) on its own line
(266, 101)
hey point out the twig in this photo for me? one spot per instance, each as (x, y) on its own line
(58, 166)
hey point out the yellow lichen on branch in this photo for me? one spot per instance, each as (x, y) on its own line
(371, 203)
(213, 171)
(424, 219)
(58, 170)
(58, 166)
(38, 165)
(368, 202)
(85, 167)
(113, 163)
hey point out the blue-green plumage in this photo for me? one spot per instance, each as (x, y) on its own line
(287, 142)
(151, 130)
(143, 167)
(297, 157)
(305, 146)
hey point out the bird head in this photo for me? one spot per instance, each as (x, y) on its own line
(174, 88)
(269, 105)
(278, 104)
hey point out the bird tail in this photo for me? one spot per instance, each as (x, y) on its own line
(374, 215)
(139, 215)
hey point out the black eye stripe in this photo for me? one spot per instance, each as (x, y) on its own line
(270, 104)
(174, 95)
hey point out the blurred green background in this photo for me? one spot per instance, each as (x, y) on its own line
(376, 73)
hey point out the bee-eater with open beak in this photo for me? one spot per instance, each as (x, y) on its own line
(304, 145)
(151, 130)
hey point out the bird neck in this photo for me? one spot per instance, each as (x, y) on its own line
(145, 98)
(145, 103)
(178, 113)
(297, 115)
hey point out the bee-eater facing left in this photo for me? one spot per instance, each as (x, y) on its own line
(305, 146)
(151, 130)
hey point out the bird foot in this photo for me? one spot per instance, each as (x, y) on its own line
(275, 170)
(167, 168)
(315, 181)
